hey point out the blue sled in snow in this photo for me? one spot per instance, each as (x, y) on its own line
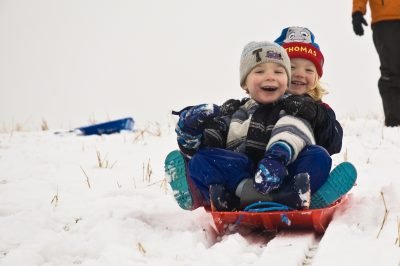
(110, 127)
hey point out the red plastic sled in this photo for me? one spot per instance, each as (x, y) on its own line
(315, 219)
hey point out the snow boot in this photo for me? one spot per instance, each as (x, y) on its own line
(185, 191)
(223, 200)
(295, 194)
(340, 181)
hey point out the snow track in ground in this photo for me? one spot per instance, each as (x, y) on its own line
(49, 215)
(299, 246)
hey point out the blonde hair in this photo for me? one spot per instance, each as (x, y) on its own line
(318, 91)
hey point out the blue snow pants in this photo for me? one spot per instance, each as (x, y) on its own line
(219, 166)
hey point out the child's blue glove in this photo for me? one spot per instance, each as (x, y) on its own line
(192, 121)
(186, 140)
(272, 168)
(191, 124)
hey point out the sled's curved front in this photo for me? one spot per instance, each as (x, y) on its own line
(314, 219)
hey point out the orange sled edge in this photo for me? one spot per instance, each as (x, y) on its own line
(314, 219)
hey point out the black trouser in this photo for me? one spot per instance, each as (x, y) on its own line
(386, 36)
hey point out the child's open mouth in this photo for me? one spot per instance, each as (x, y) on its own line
(295, 82)
(269, 88)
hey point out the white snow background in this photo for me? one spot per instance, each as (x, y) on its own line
(71, 62)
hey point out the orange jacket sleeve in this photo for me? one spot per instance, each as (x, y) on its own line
(380, 9)
(360, 5)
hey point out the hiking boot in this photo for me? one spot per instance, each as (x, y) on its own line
(340, 181)
(223, 200)
(295, 194)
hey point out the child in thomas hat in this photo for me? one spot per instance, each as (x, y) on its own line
(299, 43)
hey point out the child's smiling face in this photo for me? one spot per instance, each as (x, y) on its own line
(266, 83)
(304, 76)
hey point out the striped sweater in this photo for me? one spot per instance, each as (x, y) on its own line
(248, 127)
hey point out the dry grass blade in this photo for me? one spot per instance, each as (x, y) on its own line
(345, 156)
(398, 232)
(143, 167)
(152, 129)
(100, 162)
(55, 199)
(156, 182)
(18, 127)
(44, 125)
(149, 171)
(87, 177)
(385, 215)
(112, 165)
(139, 134)
(141, 248)
(164, 185)
(103, 162)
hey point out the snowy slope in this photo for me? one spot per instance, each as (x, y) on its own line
(50, 216)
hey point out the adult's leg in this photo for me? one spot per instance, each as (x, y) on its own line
(315, 161)
(386, 39)
(212, 166)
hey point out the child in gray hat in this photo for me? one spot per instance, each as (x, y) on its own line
(240, 152)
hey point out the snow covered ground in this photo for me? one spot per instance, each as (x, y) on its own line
(65, 62)
(104, 200)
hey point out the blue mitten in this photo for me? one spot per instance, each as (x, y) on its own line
(186, 140)
(272, 168)
(191, 124)
(192, 121)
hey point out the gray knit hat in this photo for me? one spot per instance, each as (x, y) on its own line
(255, 53)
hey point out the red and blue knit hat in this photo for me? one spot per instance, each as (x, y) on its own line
(299, 43)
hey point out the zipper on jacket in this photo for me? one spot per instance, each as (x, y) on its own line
(383, 2)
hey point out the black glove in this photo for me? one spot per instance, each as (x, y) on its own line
(301, 106)
(230, 106)
(306, 108)
(358, 20)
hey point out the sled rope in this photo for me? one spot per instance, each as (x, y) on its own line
(266, 206)
(263, 206)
